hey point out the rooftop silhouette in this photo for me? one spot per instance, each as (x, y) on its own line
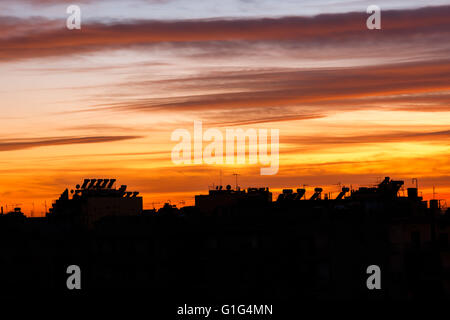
(234, 243)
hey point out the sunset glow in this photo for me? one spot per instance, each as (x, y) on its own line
(352, 105)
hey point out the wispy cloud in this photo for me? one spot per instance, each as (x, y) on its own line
(318, 30)
(319, 90)
(433, 136)
(20, 144)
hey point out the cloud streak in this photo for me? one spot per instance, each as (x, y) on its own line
(327, 28)
(433, 136)
(21, 144)
(320, 90)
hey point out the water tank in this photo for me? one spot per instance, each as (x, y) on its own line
(412, 193)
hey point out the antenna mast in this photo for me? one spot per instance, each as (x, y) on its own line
(417, 182)
(236, 176)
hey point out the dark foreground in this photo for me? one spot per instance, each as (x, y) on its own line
(240, 249)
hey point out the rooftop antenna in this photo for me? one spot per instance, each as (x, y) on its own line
(417, 182)
(220, 181)
(434, 193)
(236, 176)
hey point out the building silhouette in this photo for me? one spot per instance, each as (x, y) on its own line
(93, 200)
(234, 244)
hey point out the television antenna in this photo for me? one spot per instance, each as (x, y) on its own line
(236, 177)
(417, 182)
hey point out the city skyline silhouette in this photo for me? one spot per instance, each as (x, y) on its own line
(225, 151)
(233, 243)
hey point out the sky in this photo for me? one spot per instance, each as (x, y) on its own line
(352, 105)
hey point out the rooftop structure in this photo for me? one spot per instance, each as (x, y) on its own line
(94, 199)
(220, 198)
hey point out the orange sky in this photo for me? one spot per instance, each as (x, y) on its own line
(352, 105)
